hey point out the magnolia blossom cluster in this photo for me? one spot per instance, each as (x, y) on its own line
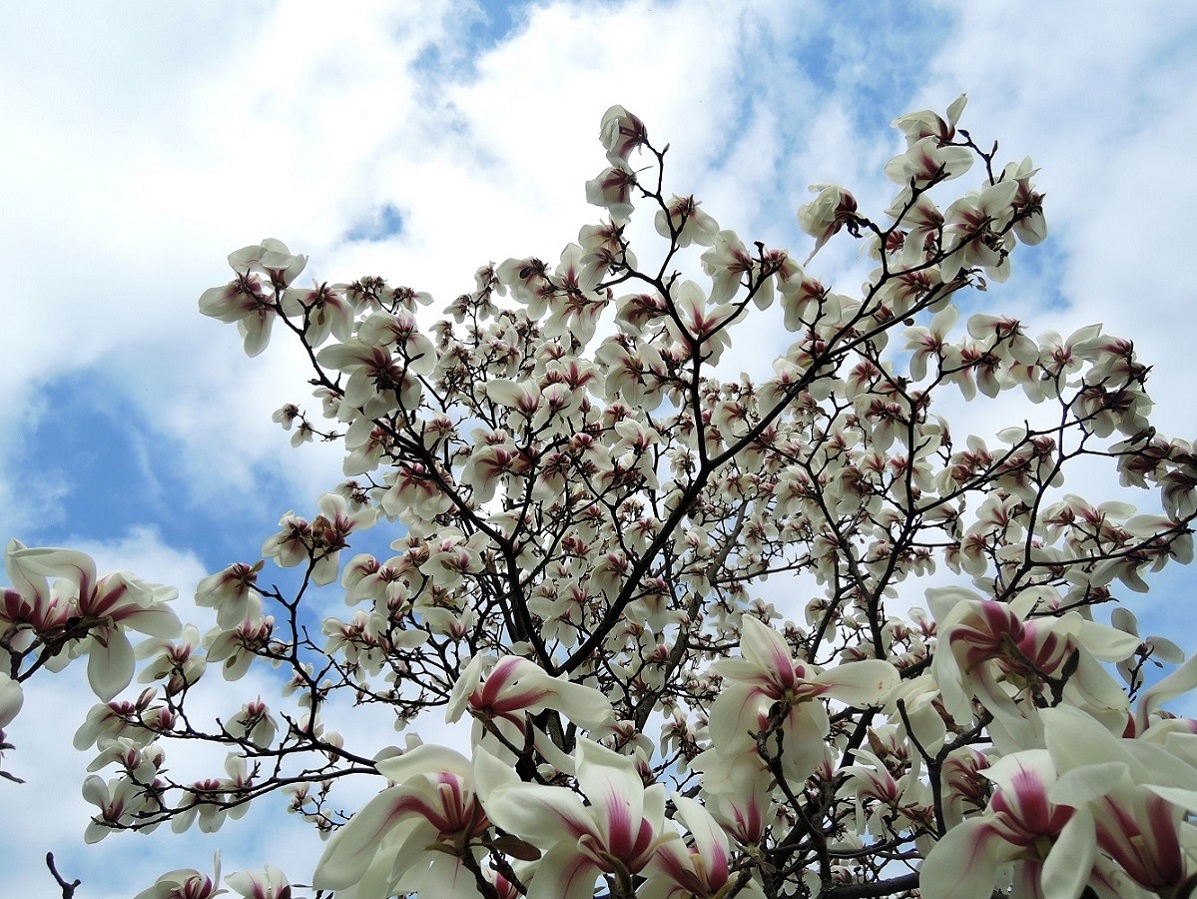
(944, 697)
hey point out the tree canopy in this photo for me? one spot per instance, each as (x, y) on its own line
(717, 636)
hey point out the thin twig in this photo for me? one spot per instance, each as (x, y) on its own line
(68, 889)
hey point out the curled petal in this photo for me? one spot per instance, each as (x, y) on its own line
(40, 561)
(1180, 681)
(621, 132)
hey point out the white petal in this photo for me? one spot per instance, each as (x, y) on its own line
(563, 874)
(424, 759)
(862, 683)
(763, 646)
(735, 715)
(110, 668)
(543, 816)
(352, 848)
(490, 774)
(1066, 869)
(709, 838)
(964, 862)
(613, 786)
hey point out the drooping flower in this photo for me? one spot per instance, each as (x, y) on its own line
(269, 883)
(185, 883)
(826, 214)
(1051, 846)
(107, 607)
(615, 834)
(621, 132)
(411, 835)
(766, 674)
(701, 870)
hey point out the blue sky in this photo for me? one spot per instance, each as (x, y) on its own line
(146, 142)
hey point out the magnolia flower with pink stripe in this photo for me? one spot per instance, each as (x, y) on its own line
(702, 870)
(767, 674)
(1051, 847)
(411, 836)
(1138, 794)
(998, 654)
(1091, 810)
(516, 688)
(612, 834)
(108, 607)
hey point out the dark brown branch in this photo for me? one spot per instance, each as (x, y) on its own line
(68, 889)
(866, 890)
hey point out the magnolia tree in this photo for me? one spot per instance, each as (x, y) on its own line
(949, 701)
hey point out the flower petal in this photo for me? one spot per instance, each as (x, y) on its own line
(764, 647)
(709, 839)
(50, 562)
(964, 862)
(543, 816)
(424, 759)
(110, 667)
(735, 715)
(616, 793)
(352, 849)
(863, 683)
(563, 873)
(1066, 868)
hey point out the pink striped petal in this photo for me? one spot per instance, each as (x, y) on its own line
(563, 873)
(613, 785)
(964, 862)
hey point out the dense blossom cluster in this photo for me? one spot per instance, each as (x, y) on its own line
(587, 511)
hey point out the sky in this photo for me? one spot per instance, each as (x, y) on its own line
(144, 142)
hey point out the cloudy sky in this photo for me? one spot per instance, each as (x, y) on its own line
(145, 141)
